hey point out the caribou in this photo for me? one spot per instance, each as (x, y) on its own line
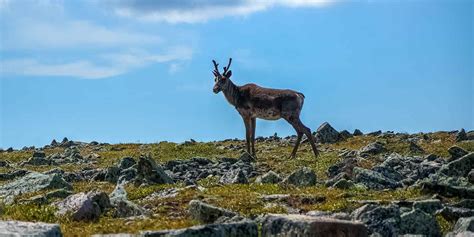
(253, 101)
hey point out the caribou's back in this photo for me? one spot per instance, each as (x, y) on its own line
(270, 104)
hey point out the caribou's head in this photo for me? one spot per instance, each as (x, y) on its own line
(221, 79)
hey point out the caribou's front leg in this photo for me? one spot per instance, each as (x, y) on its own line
(254, 123)
(248, 124)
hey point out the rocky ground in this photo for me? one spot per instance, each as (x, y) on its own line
(379, 184)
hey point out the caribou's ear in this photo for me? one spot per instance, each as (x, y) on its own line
(228, 74)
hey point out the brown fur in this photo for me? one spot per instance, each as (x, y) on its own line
(253, 101)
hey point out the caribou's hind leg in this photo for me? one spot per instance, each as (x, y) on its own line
(302, 129)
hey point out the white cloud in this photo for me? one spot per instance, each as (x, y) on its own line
(37, 34)
(105, 66)
(79, 69)
(192, 11)
(42, 38)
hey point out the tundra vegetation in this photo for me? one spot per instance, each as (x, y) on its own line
(384, 180)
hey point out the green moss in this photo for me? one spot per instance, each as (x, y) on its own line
(445, 225)
(30, 212)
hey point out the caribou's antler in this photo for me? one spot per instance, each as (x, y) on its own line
(226, 69)
(216, 68)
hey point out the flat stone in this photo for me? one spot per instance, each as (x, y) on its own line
(429, 206)
(21, 228)
(207, 213)
(233, 229)
(32, 182)
(302, 225)
(374, 180)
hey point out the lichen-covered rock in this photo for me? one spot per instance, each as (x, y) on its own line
(464, 224)
(470, 176)
(357, 132)
(112, 174)
(302, 177)
(232, 229)
(32, 182)
(207, 213)
(373, 148)
(21, 228)
(122, 207)
(326, 134)
(459, 167)
(343, 184)
(419, 222)
(235, 176)
(456, 152)
(374, 180)
(429, 206)
(246, 157)
(269, 178)
(13, 174)
(382, 220)
(148, 172)
(303, 225)
(345, 135)
(328, 214)
(126, 163)
(345, 166)
(461, 135)
(454, 213)
(80, 206)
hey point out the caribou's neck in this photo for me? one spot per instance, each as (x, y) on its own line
(231, 92)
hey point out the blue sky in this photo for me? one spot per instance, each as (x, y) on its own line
(140, 71)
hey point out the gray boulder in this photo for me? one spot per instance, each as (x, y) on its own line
(269, 178)
(122, 207)
(235, 176)
(328, 214)
(470, 176)
(80, 207)
(419, 222)
(429, 206)
(302, 225)
(126, 163)
(343, 184)
(456, 152)
(32, 182)
(246, 157)
(345, 135)
(112, 174)
(326, 134)
(302, 177)
(13, 174)
(21, 228)
(357, 132)
(382, 220)
(374, 180)
(464, 224)
(461, 135)
(454, 213)
(233, 229)
(373, 148)
(459, 167)
(148, 172)
(207, 213)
